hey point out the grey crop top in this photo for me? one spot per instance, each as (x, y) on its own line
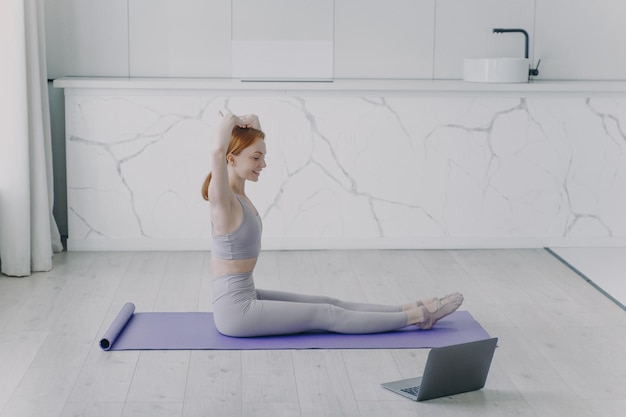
(244, 242)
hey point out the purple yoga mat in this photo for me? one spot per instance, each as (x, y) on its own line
(186, 331)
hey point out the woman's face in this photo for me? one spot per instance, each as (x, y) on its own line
(251, 161)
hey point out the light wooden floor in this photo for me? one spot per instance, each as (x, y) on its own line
(605, 267)
(562, 343)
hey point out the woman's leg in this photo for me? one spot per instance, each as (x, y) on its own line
(430, 303)
(317, 299)
(242, 311)
(268, 317)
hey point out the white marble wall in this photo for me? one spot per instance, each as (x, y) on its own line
(391, 172)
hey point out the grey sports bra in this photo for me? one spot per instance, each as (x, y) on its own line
(244, 242)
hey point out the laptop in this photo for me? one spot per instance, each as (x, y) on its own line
(449, 370)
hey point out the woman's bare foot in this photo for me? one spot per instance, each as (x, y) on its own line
(417, 304)
(429, 313)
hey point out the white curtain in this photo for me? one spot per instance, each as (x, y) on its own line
(28, 233)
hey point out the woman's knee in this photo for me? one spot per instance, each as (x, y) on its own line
(228, 319)
(230, 325)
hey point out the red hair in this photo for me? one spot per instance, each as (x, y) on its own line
(240, 139)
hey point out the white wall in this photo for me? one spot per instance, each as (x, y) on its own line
(420, 39)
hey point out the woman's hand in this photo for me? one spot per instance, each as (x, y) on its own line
(228, 122)
(249, 120)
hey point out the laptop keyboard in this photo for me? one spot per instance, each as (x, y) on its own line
(411, 390)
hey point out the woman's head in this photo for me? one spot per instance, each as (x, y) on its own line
(240, 139)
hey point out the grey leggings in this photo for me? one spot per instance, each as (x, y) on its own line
(241, 310)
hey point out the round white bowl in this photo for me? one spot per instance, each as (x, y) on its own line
(496, 70)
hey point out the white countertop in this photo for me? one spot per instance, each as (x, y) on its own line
(348, 86)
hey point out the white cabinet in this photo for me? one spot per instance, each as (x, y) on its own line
(588, 41)
(390, 39)
(182, 38)
(87, 38)
(282, 39)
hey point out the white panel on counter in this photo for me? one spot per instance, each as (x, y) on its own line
(390, 39)
(282, 39)
(281, 20)
(282, 60)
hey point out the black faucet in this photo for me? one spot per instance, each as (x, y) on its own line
(517, 31)
(533, 72)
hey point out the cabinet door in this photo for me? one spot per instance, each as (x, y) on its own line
(588, 44)
(179, 38)
(87, 38)
(384, 39)
(282, 39)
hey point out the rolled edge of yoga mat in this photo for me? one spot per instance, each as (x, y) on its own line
(117, 326)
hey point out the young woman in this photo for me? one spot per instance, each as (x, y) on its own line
(240, 309)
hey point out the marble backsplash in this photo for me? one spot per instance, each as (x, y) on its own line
(397, 171)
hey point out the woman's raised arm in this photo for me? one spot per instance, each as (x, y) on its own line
(222, 198)
(219, 188)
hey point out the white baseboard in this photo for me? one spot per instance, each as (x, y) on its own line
(347, 244)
